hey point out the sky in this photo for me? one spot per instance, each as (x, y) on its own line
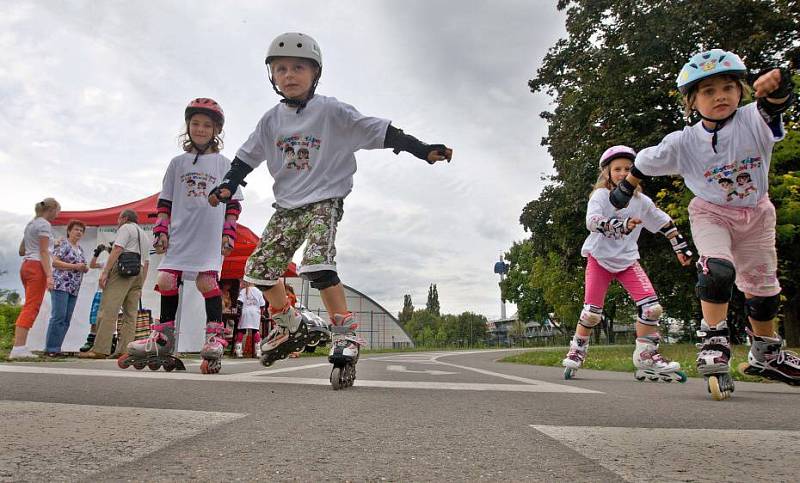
(93, 93)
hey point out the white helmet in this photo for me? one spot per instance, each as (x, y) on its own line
(294, 44)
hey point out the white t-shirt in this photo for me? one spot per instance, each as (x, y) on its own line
(310, 154)
(195, 227)
(252, 300)
(617, 255)
(736, 175)
(36, 228)
(133, 239)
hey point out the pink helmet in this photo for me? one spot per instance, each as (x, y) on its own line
(207, 106)
(615, 152)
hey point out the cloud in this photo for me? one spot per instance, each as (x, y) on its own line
(94, 102)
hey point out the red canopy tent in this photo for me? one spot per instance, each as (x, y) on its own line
(232, 265)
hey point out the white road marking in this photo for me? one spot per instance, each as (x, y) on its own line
(669, 454)
(431, 372)
(69, 442)
(263, 376)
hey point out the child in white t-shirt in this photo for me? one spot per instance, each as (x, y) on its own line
(612, 253)
(252, 305)
(192, 235)
(309, 190)
(733, 225)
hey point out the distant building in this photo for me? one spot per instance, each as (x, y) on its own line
(501, 331)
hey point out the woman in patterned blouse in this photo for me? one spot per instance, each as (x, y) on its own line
(69, 265)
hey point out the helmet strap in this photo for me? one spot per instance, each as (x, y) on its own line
(718, 124)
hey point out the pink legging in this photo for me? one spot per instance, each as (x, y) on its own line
(598, 279)
(240, 336)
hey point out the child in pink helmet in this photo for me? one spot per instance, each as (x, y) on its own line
(612, 254)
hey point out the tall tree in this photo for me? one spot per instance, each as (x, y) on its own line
(613, 80)
(408, 309)
(433, 300)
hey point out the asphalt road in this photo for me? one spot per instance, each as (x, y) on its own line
(411, 416)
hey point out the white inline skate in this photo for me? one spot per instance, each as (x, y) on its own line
(289, 335)
(344, 351)
(575, 357)
(212, 350)
(713, 359)
(768, 359)
(154, 352)
(651, 365)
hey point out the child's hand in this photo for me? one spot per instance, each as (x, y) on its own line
(440, 152)
(684, 259)
(161, 244)
(767, 83)
(632, 222)
(217, 195)
(227, 246)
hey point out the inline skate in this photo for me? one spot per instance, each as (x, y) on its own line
(713, 359)
(575, 357)
(344, 350)
(289, 335)
(767, 359)
(154, 352)
(651, 365)
(212, 350)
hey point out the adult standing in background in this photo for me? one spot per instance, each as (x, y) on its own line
(120, 290)
(35, 272)
(69, 265)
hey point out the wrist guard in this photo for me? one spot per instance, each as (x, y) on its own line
(164, 206)
(638, 174)
(229, 230)
(680, 245)
(613, 228)
(668, 229)
(100, 249)
(400, 141)
(160, 228)
(233, 179)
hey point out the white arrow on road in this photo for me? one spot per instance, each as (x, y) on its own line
(431, 372)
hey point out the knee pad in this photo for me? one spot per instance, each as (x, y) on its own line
(762, 309)
(591, 315)
(649, 311)
(715, 277)
(322, 279)
(168, 282)
(208, 285)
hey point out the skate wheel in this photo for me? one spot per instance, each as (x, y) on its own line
(666, 379)
(210, 367)
(123, 362)
(639, 378)
(336, 378)
(204, 367)
(744, 367)
(139, 365)
(154, 366)
(169, 366)
(568, 373)
(716, 393)
(681, 376)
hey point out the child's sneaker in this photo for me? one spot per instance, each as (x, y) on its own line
(21, 352)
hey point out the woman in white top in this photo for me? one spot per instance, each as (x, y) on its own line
(36, 272)
(253, 304)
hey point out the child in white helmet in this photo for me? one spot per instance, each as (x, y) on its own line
(733, 228)
(612, 253)
(193, 237)
(309, 193)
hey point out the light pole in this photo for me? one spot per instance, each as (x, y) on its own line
(501, 268)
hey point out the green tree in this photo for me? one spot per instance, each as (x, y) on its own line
(433, 300)
(613, 80)
(408, 309)
(10, 297)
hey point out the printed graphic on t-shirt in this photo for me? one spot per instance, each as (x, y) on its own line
(734, 178)
(297, 150)
(197, 184)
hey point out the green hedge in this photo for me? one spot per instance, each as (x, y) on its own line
(8, 315)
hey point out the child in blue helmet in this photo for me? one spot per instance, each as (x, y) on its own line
(734, 230)
(309, 192)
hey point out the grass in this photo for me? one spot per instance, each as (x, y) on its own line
(618, 358)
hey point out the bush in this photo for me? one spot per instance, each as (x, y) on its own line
(8, 315)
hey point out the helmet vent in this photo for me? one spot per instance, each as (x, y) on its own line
(280, 44)
(720, 58)
(299, 45)
(694, 65)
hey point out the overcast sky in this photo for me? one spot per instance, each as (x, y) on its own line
(93, 92)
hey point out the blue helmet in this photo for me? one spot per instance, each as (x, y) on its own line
(709, 63)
